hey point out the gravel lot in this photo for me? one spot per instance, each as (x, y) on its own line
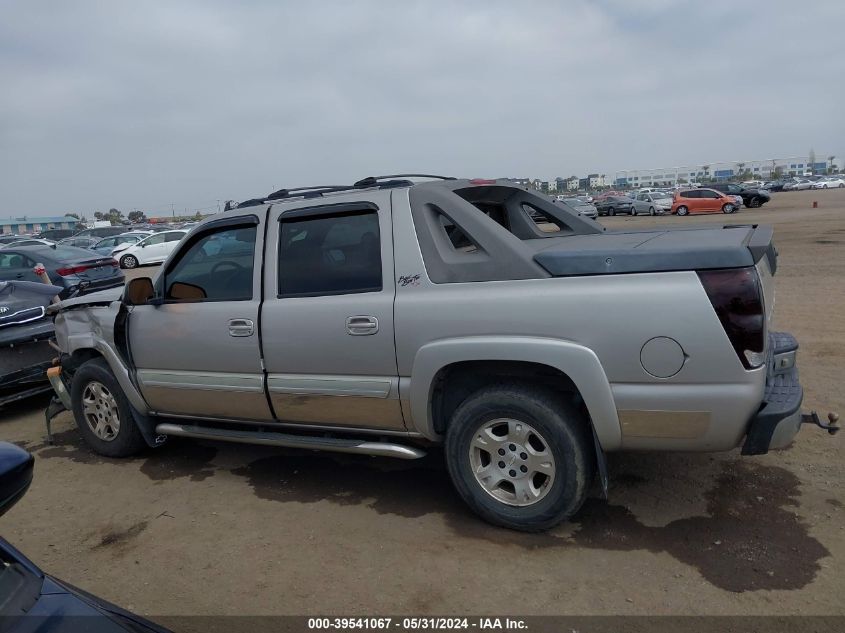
(204, 528)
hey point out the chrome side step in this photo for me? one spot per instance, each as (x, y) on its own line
(338, 445)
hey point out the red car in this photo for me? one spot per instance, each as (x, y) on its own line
(702, 201)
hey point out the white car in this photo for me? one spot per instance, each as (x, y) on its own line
(829, 183)
(26, 241)
(153, 249)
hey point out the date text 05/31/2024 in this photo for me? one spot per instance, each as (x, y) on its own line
(413, 624)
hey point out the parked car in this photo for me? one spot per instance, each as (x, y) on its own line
(658, 201)
(152, 249)
(611, 205)
(101, 231)
(34, 601)
(774, 185)
(54, 234)
(833, 182)
(367, 320)
(702, 201)
(85, 241)
(67, 267)
(798, 185)
(751, 197)
(25, 330)
(580, 207)
(111, 245)
(26, 241)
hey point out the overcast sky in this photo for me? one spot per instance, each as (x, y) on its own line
(184, 102)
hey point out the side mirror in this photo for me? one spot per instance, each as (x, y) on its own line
(138, 291)
(15, 474)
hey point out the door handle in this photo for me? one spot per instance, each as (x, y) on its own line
(361, 325)
(241, 327)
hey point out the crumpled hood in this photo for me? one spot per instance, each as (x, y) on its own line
(103, 297)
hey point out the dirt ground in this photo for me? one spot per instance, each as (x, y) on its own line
(204, 528)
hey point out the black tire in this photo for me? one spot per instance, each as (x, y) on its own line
(754, 203)
(611, 211)
(129, 261)
(567, 438)
(682, 210)
(728, 208)
(651, 210)
(632, 211)
(128, 439)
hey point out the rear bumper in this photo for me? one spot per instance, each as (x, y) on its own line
(779, 417)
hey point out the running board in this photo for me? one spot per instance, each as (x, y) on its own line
(338, 445)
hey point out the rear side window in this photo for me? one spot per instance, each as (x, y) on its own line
(330, 255)
(155, 239)
(692, 193)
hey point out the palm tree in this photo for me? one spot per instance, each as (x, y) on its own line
(830, 163)
(740, 170)
(706, 170)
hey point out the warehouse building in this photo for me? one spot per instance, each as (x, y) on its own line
(25, 224)
(707, 172)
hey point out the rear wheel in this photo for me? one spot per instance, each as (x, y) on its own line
(632, 211)
(611, 211)
(651, 210)
(520, 456)
(128, 261)
(102, 411)
(682, 210)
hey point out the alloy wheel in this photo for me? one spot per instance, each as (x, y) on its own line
(512, 462)
(100, 409)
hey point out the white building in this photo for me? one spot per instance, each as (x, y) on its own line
(753, 169)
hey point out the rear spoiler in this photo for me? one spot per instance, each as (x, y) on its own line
(759, 243)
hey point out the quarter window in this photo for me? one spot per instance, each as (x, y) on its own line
(216, 266)
(330, 255)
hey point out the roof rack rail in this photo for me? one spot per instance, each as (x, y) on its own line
(383, 182)
(364, 182)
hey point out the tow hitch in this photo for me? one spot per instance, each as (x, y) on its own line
(832, 425)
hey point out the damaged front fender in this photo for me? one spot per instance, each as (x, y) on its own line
(96, 324)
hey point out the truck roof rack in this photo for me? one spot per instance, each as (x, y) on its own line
(382, 182)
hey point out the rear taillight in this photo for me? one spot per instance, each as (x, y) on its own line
(737, 298)
(65, 271)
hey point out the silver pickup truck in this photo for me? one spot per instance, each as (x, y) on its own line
(403, 312)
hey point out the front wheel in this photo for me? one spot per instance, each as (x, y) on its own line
(682, 210)
(651, 210)
(102, 411)
(520, 456)
(611, 211)
(128, 261)
(754, 203)
(728, 208)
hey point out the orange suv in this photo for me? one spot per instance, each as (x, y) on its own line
(702, 201)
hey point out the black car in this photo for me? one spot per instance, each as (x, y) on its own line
(102, 231)
(751, 198)
(30, 600)
(25, 331)
(54, 234)
(611, 205)
(67, 267)
(774, 185)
